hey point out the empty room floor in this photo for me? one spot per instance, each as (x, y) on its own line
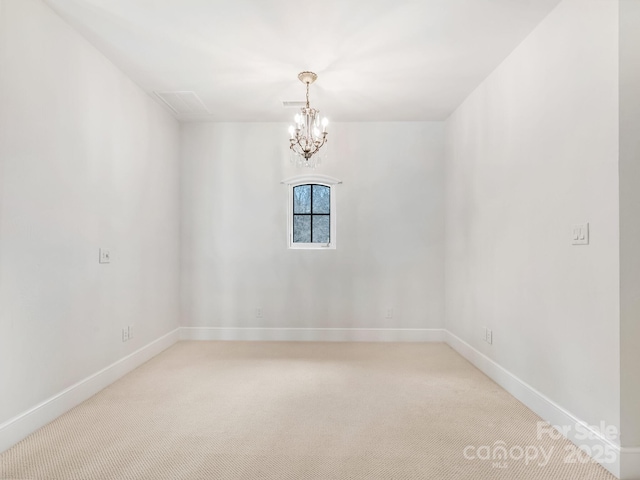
(272, 410)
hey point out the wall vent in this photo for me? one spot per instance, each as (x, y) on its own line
(292, 104)
(183, 102)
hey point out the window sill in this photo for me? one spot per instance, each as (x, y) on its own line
(312, 246)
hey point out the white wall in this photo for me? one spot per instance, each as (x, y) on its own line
(389, 234)
(630, 222)
(86, 161)
(532, 151)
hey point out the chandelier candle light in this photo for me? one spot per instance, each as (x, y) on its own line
(306, 138)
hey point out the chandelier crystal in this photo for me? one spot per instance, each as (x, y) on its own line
(309, 133)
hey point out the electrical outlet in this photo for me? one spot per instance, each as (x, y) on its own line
(125, 334)
(105, 256)
(259, 312)
(389, 313)
(489, 337)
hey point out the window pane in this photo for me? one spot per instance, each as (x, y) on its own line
(320, 229)
(321, 197)
(302, 228)
(302, 199)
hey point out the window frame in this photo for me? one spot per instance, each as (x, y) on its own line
(325, 181)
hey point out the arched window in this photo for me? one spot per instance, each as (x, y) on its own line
(311, 214)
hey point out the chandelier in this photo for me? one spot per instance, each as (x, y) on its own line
(306, 138)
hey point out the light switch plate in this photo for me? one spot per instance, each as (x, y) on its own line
(580, 234)
(105, 256)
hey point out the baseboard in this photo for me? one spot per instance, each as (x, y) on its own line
(14, 430)
(630, 464)
(544, 407)
(314, 334)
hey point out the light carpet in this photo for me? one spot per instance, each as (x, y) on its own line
(271, 410)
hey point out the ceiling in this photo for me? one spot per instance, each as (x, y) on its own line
(376, 60)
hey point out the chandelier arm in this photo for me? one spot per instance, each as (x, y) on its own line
(307, 153)
(306, 144)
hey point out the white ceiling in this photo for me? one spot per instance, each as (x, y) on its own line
(376, 60)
